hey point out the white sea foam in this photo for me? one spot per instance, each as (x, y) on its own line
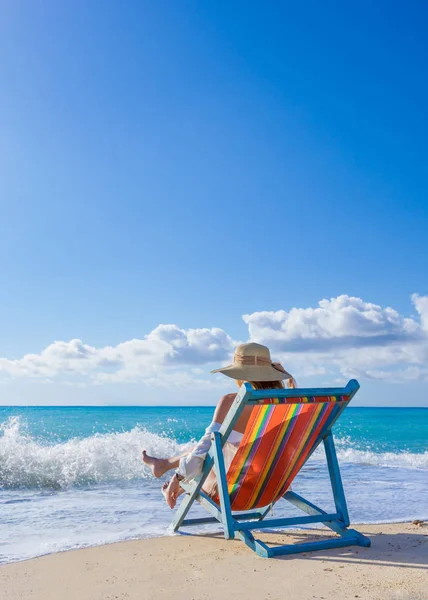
(100, 458)
(116, 457)
(347, 453)
(406, 460)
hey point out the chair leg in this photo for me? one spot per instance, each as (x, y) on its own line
(182, 511)
(192, 491)
(336, 479)
(220, 471)
(337, 526)
(256, 545)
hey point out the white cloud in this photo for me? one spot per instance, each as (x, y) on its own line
(165, 348)
(342, 322)
(72, 356)
(421, 305)
(341, 337)
(350, 336)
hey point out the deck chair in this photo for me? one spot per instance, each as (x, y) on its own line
(285, 427)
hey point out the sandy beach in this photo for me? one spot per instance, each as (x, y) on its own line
(210, 568)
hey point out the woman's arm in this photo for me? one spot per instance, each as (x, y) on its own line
(191, 465)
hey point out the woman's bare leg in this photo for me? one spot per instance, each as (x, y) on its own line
(160, 466)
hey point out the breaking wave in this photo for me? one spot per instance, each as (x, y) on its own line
(26, 462)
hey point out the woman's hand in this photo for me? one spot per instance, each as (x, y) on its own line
(171, 490)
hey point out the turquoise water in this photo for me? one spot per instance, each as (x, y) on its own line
(378, 429)
(72, 477)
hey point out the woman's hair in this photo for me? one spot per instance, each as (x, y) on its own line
(271, 385)
(267, 385)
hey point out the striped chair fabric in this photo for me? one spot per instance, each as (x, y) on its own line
(279, 437)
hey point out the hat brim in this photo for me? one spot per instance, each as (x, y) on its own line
(253, 373)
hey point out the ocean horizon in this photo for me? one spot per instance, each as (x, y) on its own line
(72, 477)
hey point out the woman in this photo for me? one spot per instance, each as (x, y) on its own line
(252, 363)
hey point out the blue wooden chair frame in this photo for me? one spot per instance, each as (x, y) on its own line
(240, 524)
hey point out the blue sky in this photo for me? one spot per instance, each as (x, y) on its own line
(188, 163)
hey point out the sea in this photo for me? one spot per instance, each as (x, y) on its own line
(72, 477)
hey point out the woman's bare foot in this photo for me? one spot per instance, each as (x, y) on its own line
(159, 466)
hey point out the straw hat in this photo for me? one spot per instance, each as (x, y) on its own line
(252, 362)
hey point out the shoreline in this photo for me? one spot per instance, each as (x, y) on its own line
(206, 566)
(357, 524)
